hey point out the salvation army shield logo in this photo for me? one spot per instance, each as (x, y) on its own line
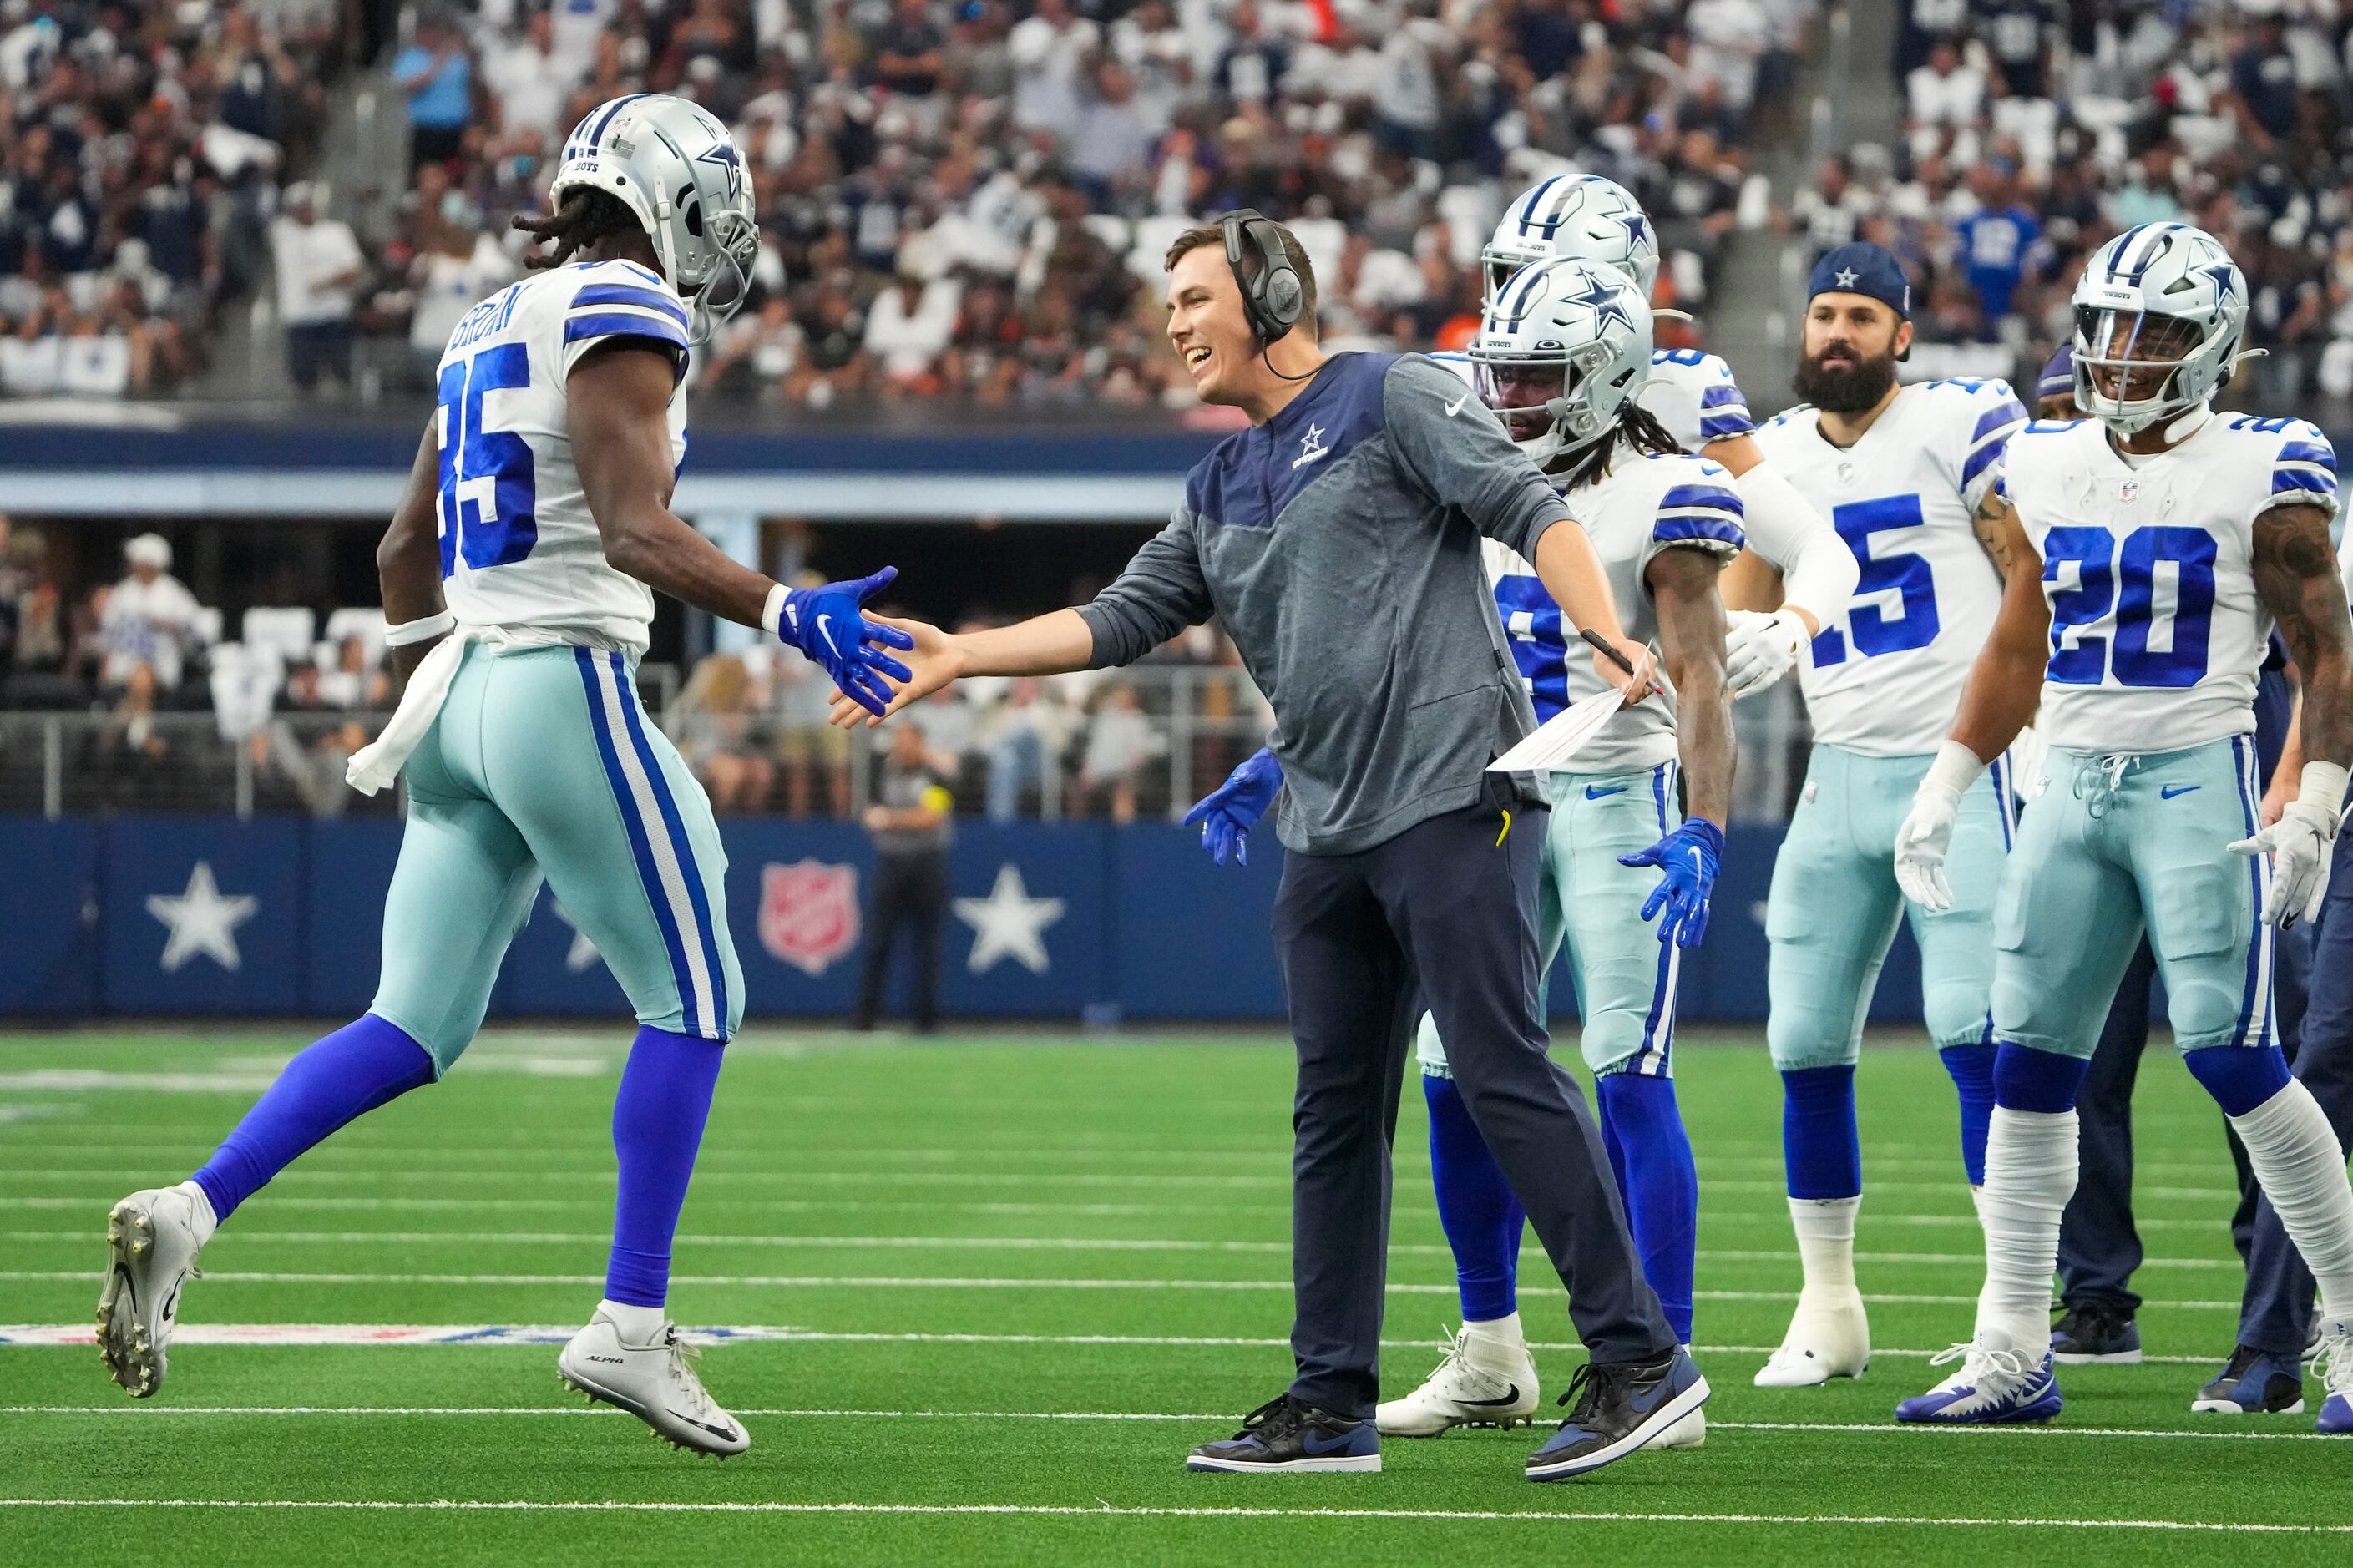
(809, 913)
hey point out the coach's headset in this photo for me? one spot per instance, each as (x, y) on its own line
(1274, 299)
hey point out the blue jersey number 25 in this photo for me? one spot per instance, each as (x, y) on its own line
(1874, 630)
(2125, 582)
(489, 486)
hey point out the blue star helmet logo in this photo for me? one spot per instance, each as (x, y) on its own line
(1635, 225)
(2226, 286)
(1601, 299)
(722, 153)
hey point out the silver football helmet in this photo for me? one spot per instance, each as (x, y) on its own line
(2162, 309)
(1581, 215)
(672, 164)
(1561, 350)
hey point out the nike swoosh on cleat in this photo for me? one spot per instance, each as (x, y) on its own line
(1594, 792)
(1511, 1398)
(2169, 791)
(1318, 1448)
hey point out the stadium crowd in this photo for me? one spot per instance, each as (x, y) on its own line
(2034, 131)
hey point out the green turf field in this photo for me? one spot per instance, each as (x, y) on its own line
(1027, 1272)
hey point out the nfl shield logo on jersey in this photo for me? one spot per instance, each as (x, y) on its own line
(2128, 490)
(809, 913)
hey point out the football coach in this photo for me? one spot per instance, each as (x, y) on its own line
(1337, 539)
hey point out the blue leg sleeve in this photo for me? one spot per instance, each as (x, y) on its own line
(351, 1072)
(1821, 1150)
(657, 1117)
(2026, 1078)
(1659, 1184)
(1475, 1207)
(1972, 1070)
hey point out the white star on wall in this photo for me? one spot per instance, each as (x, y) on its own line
(1008, 924)
(201, 921)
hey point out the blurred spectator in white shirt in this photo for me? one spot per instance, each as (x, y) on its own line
(529, 79)
(1120, 740)
(460, 268)
(1050, 52)
(150, 619)
(318, 264)
(907, 329)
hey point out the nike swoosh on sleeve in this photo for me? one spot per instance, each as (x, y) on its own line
(1456, 406)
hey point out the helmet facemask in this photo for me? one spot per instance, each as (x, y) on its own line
(2130, 365)
(1543, 399)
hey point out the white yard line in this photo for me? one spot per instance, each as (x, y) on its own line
(1107, 1510)
(1149, 1416)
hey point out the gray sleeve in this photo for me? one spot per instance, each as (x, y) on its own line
(1448, 444)
(1161, 592)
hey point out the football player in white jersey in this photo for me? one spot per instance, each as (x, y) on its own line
(1898, 469)
(1693, 395)
(1562, 351)
(2151, 549)
(518, 573)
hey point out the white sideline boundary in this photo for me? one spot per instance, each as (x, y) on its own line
(1195, 1417)
(57, 1336)
(945, 1282)
(1108, 1510)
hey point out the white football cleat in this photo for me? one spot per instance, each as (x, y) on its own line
(652, 1381)
(1689, 1431)
(1482, 1382)
(152, 1241)
(1826, 1340)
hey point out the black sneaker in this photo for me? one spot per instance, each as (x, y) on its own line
(2254, 1383)
(1619, 1409)
(1285, 1436)
(2096, 1334)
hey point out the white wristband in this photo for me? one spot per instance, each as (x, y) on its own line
(2322, 785)
(772, 614)
(426, 627)
(1955, 770)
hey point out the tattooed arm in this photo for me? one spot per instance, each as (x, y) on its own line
(2296, 573)
(2004, 684)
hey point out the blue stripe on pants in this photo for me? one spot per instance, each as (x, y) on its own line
(640, 846)
(696, 895)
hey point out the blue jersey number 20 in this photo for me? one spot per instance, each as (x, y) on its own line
(489, 486)
(2126, 583)
(1874, 630)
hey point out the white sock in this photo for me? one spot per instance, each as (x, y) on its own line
(1976, 1201)
(1825, 1228)
(201, 1219)
(1497, 1342)
(2030, 1176)
(2295, 1156)
(639, 1325)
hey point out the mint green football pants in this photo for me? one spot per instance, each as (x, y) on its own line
(2119, 845)
(1625, 975)
(1834, 906)
(544, 764)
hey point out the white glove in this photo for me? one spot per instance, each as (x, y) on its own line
(1927, 830)
(2301, 844)
(1760, 649)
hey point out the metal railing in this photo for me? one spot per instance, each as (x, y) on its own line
(1198, 722)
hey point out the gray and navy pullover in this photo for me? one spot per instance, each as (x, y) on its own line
(1339, 544)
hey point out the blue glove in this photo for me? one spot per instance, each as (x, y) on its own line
(1228, 812)
(1687, 859)
(825, 624)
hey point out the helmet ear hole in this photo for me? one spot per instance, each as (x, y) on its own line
(692, 211)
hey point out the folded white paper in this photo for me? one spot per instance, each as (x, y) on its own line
(1559, 737)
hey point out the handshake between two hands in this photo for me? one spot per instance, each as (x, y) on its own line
(831, 626)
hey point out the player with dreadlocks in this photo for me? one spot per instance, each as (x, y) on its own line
(525, 554)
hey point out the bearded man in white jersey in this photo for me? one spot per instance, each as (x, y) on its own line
(518, 575)
(1898, 470)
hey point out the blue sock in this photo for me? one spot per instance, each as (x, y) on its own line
(360, 1066)
(1475, 1207)
(657, 1117)
(1819, 1150)
(1972, 1069)
(1652, 1157)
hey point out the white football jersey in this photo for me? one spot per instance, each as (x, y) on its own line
(519, 549)
(1644, 504)
(1885, 678)
(1694, 396)
(2156, 631)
